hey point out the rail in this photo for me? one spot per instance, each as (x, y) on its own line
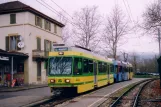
(136, 99)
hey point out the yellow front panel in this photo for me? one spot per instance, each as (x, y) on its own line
(85, 87)
(61, 80)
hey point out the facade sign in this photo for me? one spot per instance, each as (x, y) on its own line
(4, 58)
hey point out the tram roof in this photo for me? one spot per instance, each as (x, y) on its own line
(86, 52)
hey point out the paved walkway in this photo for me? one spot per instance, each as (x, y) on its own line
(20, 98)
(97, 97)
(20, 88)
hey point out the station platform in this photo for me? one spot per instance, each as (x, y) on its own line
(99, 96)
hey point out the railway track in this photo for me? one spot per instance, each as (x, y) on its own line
(130, 98)
(51, 102)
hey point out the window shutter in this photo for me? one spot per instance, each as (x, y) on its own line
(7, 43)
(35, 20)
(44, 45)
(38, 43)
(49, 26)
(55, 28)
(50, 46)
(40, 22)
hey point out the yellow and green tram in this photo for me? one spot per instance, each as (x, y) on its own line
(78, 69)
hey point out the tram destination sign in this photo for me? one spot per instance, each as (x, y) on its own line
(4, 58)
(61, 49)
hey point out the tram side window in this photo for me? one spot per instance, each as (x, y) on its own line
(90, 66)
(85, 65)
(121, 69)
(112, 68)
(104, 66)
(77, 66)
(100, 67)
(108, 70)
(131, 69)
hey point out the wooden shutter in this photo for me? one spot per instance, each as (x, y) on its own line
(38, 43)
(7, 43)
(55, 28)
(50, 46)
(35, 20)
(49, 26)
(45, 47)
(41, 22)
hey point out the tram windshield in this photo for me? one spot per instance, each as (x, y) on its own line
(60, 66)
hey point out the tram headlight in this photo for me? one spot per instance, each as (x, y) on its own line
(67, 81)
(52, 81)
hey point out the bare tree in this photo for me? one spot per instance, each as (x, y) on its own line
(134, 60)
(116, 27)
(86, 27)
(152, 17)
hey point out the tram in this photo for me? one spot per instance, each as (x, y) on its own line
(78, 70)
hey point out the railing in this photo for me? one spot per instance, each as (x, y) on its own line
(40, 54)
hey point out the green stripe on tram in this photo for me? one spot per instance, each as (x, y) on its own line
(103, 79)
(71, 83)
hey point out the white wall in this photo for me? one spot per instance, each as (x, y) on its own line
(25, 26)
(20, 19)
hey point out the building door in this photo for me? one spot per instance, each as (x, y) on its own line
(2, 75)
(95, 73)
(39, 71)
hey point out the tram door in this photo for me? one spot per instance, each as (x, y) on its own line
(95, 73)
(108, 73)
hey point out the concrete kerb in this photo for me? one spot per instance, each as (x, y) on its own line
(21, 89)
(32, 104)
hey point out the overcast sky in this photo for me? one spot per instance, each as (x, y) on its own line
(135, 7)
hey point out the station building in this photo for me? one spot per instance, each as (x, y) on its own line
(26, 37)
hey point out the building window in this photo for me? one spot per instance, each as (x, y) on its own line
(47, 25)
(55, 28)
(47, 47)
(12, 43)
(38, 21)
(38, 43)
(12, 18)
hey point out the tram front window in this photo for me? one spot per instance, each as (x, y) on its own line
(60, 66)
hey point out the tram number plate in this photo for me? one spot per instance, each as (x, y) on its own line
(59, 80)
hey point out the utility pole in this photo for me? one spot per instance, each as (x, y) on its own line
(159, 41)
(125, 55)
(159, 59)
